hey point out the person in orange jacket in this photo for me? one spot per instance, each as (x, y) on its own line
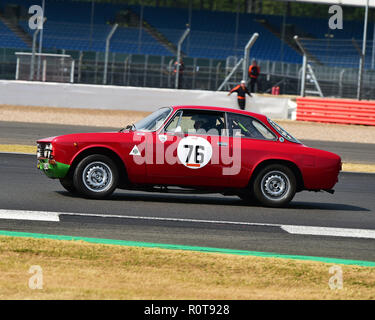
(241, 90)
(254, 72)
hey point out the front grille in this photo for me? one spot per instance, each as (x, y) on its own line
(40, 150)
(44, 150)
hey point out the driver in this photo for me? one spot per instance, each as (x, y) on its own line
(204, 123)
(210, 126)
(199, 122)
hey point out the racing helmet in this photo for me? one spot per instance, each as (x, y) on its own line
(205, 122)
(200, 120)
(199, 117)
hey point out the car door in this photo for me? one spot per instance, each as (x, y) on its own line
(251, 142)
(188, 150)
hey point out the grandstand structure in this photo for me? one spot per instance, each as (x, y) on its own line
(143, 48)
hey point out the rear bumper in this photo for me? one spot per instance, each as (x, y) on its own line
(322, 179)
(53, 169)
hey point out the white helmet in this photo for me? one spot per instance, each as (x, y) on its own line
(243, 82)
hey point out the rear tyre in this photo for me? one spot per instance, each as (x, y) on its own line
(96, 176)
(67, 183)
(275, 186)
(247, 197)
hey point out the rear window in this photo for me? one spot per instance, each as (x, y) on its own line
(283, 132)
(244, 126)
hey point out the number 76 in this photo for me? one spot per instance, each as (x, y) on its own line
(198, 153)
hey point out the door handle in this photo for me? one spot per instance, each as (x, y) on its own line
(222, 144)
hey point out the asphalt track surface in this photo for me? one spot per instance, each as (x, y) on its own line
(23, 187)
(28, 133)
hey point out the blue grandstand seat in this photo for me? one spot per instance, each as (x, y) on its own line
(212, 32)
(76, 36)
(9, 40)
(68, 27)
(333, 47)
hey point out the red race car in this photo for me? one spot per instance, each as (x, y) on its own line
(191, 149)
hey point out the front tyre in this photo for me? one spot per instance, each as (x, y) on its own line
(96, 176)
(67, 183)
(275, 186)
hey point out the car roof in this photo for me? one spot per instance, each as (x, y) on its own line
(222, 109)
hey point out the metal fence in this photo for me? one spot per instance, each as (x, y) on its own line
(334, 64)
(148, 71)
(207, 74)
(158, 71)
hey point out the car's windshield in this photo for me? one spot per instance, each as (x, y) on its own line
(153, 121)
(283, 132)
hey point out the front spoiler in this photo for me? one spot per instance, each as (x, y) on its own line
(53, 169)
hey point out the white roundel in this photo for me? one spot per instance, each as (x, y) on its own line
(194, 152)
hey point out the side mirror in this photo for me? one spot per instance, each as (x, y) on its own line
(178, 130)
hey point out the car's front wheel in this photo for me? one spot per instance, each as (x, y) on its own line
(96, 176)
(275, 185)
(67, 183)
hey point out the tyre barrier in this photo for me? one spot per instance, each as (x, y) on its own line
(343, 111)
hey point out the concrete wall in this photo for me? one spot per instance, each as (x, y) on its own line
(128, 98)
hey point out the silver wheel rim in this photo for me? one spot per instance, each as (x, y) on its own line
(97, 177)
(275, 185)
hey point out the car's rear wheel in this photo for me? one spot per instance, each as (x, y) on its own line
(67, 183)
(247, 196)
(96, 176)
(275, 185)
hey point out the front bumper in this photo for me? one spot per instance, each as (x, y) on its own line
(53, 169)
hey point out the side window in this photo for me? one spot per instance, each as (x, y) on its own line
(245, 126)
(198, 122)
(172, 126)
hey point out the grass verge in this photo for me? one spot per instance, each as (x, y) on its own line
(358, 167)
(80, 270)
(17, 148)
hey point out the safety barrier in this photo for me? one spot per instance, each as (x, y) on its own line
(343, 111)
(77, 95)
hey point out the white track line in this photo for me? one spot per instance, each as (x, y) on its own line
(333, 232)
(29, 215)
(291, 229)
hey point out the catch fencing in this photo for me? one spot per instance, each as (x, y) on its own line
(337, 75)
